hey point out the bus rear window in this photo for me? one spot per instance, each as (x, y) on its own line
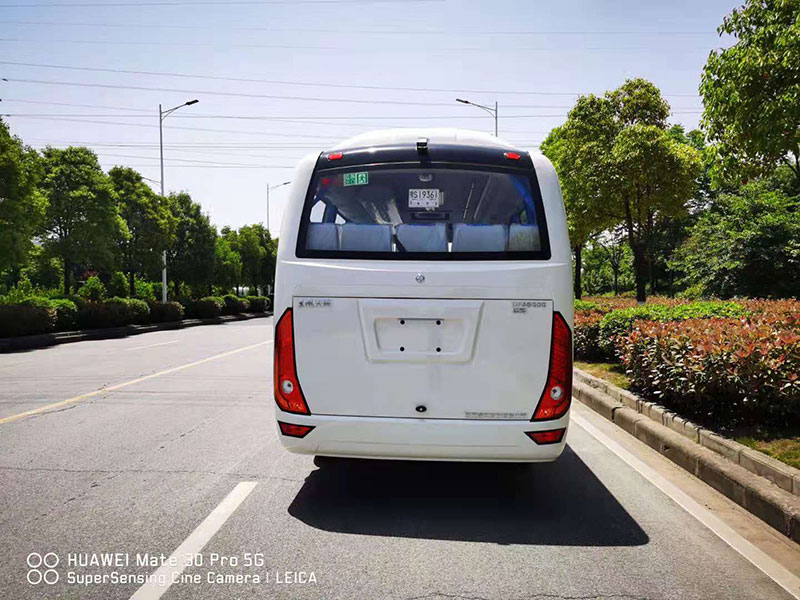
(414, 213)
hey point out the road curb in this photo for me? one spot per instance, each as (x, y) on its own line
(759, 495)
(30, 342)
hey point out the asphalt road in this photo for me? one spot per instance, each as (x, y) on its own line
(154, 463)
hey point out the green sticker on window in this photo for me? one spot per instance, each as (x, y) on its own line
(361, 178)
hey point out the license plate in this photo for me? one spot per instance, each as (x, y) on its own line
(427, 198)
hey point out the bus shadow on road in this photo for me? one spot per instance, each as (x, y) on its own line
(560, 503)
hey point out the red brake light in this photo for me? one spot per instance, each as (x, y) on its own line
(335, 156)
(557, 394)
(512, 155)
(288, 394)
(298, 431)
(553, 436)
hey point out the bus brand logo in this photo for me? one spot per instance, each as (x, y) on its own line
(314, 303)
(420, 278)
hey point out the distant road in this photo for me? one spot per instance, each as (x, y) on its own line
(165, 443)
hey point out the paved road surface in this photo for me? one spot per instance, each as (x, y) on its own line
(146, 466)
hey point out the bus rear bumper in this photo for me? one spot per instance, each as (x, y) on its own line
(423, 439)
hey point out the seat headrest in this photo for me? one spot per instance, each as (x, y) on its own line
(524, 238)
(479, 238)
(422, 238)
(366, 238)
(322, 236)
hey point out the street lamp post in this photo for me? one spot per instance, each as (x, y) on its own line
(489, 109)
(163, 114)
(273, 187)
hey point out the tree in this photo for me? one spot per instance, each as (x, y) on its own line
(192, 253)
(626, 167)
(612, 246)
(148, 224)
(252, 252)
(81, 220)
(751, 90)
(227, 264)
(21, 204)
(655, 177)
(746, 244)
(584, 217)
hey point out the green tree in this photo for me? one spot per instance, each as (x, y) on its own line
(628, 168)
(227, 264)
(42, 270)
(751, 90)
(22, 206)
(252, 253)
(191, 255)
(148, 224)
(745, 244)
(81, 221)
(585, 216)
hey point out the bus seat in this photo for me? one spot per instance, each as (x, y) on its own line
(479, 238)
(423, 238)
(524, 238)
(322, 236)
(366, 238)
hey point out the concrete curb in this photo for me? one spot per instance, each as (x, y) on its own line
(763, 498)
(758, 463)
(30, 342)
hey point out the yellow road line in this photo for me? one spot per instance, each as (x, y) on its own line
(119, 386)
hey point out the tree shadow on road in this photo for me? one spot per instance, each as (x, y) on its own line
(560, 503)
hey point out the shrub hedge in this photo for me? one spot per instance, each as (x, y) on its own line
(161, 312)
(621, 321)
(258, 303)
(234, 305)
(728, 371)
(207, 308)
(114, 312)
(721, 363)
(37, 314)
(27, 318)
(66, 314)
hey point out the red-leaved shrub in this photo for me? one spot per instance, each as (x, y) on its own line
(728, 371)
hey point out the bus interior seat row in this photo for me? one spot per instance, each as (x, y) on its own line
(423, 238)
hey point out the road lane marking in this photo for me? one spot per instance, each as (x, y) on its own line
(774, 570)
(119, 386)
(193, 544)
(150, 346)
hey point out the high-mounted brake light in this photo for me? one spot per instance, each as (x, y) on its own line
(512, 155)
(552, 436)
(335, 156)
(557, 392)
(298, 431)
(288, 394)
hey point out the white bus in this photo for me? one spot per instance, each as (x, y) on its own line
(423, 301)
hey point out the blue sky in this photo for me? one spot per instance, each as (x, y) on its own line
(317, 73)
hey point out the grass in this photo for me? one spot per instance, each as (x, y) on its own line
(786, 450)
(611, 372)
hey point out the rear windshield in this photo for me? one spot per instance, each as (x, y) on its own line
(391, 212)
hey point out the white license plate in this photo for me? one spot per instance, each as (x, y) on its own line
(428, 198)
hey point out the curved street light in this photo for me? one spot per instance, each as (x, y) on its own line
(273, 187)
(489, 109)
(163, 114)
